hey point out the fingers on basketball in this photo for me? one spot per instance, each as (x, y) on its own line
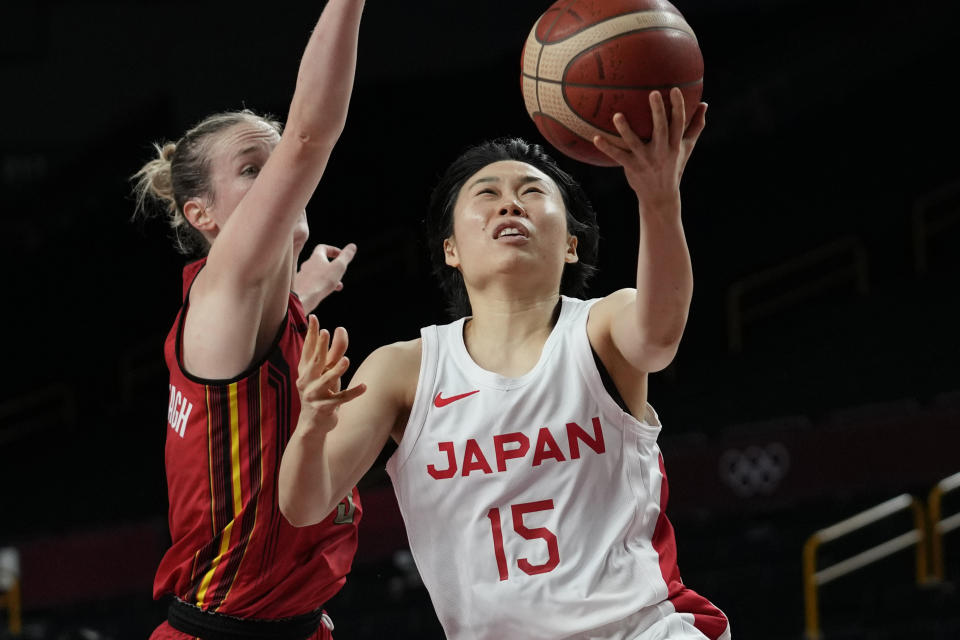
(658, 114)
(697, 124)
(678, 116)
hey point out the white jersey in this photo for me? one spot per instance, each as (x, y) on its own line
(534, 505)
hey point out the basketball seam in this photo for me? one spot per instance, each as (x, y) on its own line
(590, 45)
(610, 162)
(600, 43)
(615, 87)
(556, 20)
(540, 53)
(569, 130)
(608, 19)
(563, 84)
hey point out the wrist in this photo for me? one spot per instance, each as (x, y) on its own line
(664, 210)
(308, 302)
(313, 428)
(659, 204)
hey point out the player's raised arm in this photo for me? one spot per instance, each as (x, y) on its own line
(258, 233)
(647, 324)
(251, 210)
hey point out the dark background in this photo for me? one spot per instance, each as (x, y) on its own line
(827, 177)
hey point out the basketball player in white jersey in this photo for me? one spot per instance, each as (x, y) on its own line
(527, 472)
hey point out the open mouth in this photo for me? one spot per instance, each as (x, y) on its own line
(509, 230)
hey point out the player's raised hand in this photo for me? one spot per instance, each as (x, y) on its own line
(321, 274)
(322, 363)
(653, 169)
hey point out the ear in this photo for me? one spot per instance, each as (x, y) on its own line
(195, 211)
(450, 253)
(571, 255)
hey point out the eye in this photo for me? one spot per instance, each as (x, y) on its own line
(486, 191)
(534, 190)
(250, 170)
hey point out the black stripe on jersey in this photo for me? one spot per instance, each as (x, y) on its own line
(222, 477)
(255, 449)
(249, 517)
(218, 426)
(221, 473)
(278, 378)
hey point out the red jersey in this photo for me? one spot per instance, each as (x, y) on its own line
(233, 552)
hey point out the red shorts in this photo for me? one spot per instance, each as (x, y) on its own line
(166, 632)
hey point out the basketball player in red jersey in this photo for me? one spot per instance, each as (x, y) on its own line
(234, 190)
(527, 469)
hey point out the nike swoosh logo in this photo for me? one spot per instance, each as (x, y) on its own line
(439, 402)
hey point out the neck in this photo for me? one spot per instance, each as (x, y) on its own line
(506, 335)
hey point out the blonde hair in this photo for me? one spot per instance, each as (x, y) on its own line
(180, 171)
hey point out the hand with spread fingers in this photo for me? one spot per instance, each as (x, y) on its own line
(653, 169)
(321, 274)
(322, 363)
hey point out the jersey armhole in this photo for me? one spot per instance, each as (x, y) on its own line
(429, 349)
(608, 384)
(293, 303)
(609, 399)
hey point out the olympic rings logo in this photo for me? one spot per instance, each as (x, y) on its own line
(756, 470)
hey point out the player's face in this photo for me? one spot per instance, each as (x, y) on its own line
(509, 215)
(235, 162)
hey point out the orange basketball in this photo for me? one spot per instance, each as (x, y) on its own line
(586, 60)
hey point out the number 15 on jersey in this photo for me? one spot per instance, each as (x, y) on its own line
(517, 511)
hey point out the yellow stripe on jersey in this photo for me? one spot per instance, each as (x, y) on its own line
(208, 578)
(250, 456)
(235, 449)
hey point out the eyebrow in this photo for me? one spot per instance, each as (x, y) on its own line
(524, 180)
(247, 150)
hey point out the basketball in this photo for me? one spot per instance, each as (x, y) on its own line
(586, 60)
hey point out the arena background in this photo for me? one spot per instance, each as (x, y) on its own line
(818, 375)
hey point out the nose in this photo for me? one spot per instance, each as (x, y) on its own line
(512, 208)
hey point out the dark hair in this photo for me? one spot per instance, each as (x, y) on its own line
(581, 218)
(181, 170)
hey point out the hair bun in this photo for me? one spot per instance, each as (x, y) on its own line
(166, 153)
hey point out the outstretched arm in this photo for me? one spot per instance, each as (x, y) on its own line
(321, 464)
(259, 231)
(646, 325)
(250, 265)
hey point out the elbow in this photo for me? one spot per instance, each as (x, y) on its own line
(657, 357)
(295, 511)
(653, 354)
(288, 511)
(662, 349)
(316, 139)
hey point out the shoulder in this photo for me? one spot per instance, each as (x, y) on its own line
(394, 368)
(630, 382)
(606, 309)
(402, 353)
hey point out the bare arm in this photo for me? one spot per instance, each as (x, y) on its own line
(258, 233)
(249, 268)
(646, 325)
(321, 464)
